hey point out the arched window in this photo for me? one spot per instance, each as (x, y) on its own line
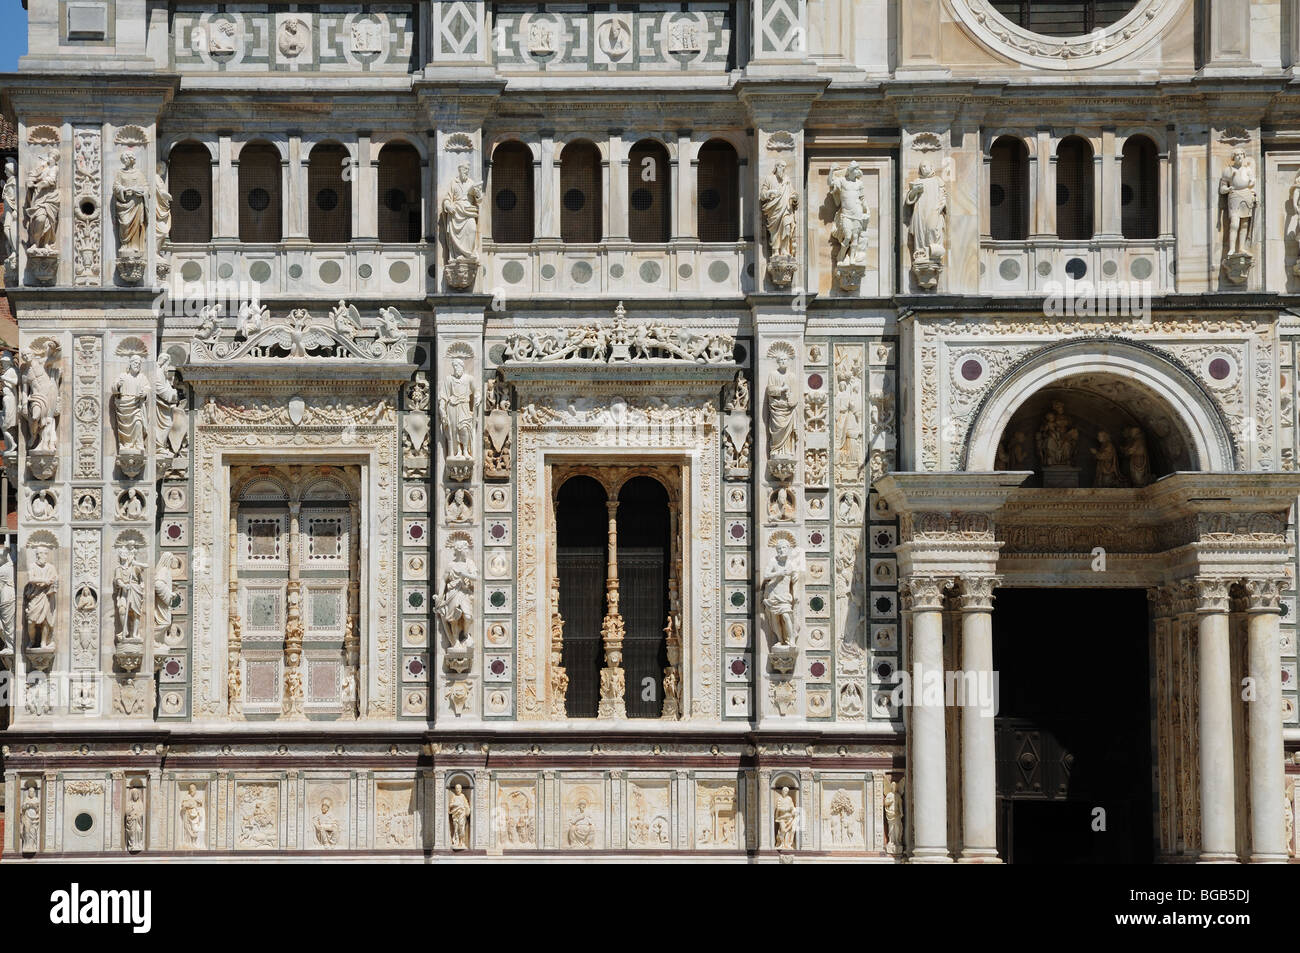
(1063, 17)
(644, 565)
(1074, 190)
(581, 557)
(189, 180)
(259, 193)
(400, 201)
(649, 215)
(1139, 175)
(329, 195)
(718, 192)
(580, 193)
(1009, 190)
(512, 194)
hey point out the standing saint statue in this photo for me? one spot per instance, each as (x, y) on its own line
(782, 397)
(192, 817)
(457, 404)
(133, 821)
(129, 190)
(851, 215)
(786, 815)
(29, 825)
(460, 207)
(1135, 456)
(780, 201)
(9, 400)
(780, 579)
(927, 197)
(42, 211)
(171, 427)
(38, 600)
(8, 603)
(162, 206)
(1107, 473)
(9, 208)
(128, 596)
(130, 397)
(1237, 185)
(455, 603)
(458, 814)
(164, 575)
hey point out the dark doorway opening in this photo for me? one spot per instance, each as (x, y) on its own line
(1073, 726)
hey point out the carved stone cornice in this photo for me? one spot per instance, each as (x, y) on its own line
(925, 593)
(947, 527)
(977, 592)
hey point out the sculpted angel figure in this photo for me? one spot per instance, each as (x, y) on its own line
(928, 199)
(851, 214)
(129, 190)
(780, 202)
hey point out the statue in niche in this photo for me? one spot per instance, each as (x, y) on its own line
(128, 596)
(42, 207)
(782, 400)
(1288, 819)
(40, 399)
(455, 603)
(779, 582)
(582, 828)
(129, 190)
(496, 428)
(460, 209)
(927, 197)
(192, 818)
(849, 231)
(1013, 452)
(162, 206)
(736, 426)
(779, 200)
(1237, 186)
(894, 818)
(457, 406)
(460, 507)
(786, 812)
(29, 825)
(38, 600)
(8, 603)
(326, 825)
(1136, 460)
(130, 397)
(458, 809)
(164, 575)
(781, 506)
(9, 401)
(1107, 456)
(1057, 438)
(171, 425)
(133, 821)
(9, 203)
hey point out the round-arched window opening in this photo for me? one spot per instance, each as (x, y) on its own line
(327, 200)
(191, 199)
(1063, 18)
(83, 822)
(574, 200)
(1126, 195)
(1076, 268)
(710, 199)
(394, 200)
(641, 199)
(258, 199)
(997, 194)
(507, 200)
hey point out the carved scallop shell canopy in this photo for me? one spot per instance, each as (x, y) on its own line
(1104, 46)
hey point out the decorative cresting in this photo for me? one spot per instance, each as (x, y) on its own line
(1101, 47)
(621, 342)
(1192, 406)
(299, 336)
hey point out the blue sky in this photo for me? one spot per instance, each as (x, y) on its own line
(13, 34)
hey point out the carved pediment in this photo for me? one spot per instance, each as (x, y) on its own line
(621, 342)
(299, 336)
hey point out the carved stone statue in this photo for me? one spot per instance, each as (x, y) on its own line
(455, 603)
(457, 409)
(782, 399)
(129, 190)
(779, 199)
(192, 818)
(460, 208)
(458, 810)
(163, 581)
(128, 596)
(8, 603)
(1237, 186)
(786, 814)
(38, 600)
(326, 825)
(1057, 438)
(496, 429)
(133, 821)
(42, 206)
(894, 819)
(849, 231)
(171, 426)
(40, 402)
(130, 399)
(1107, 456)
(29, 825)
(927, 197)
(1136, 460)
(780, 581)
(582, 829)
(9, 198)
(162, 210)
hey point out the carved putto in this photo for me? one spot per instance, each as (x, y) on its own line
(849, 231)
(927, 200)
(459, 214)
(619, 343)
(779, 199)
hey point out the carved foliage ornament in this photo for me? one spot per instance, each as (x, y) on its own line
(621, 342)
(300, 336)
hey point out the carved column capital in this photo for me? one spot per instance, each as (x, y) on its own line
(1264, 595)
(977, 592)
(1211, 595)
(922, 593)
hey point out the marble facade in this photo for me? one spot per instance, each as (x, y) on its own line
(288, 577)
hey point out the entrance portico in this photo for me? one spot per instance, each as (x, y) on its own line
(1212, 551)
